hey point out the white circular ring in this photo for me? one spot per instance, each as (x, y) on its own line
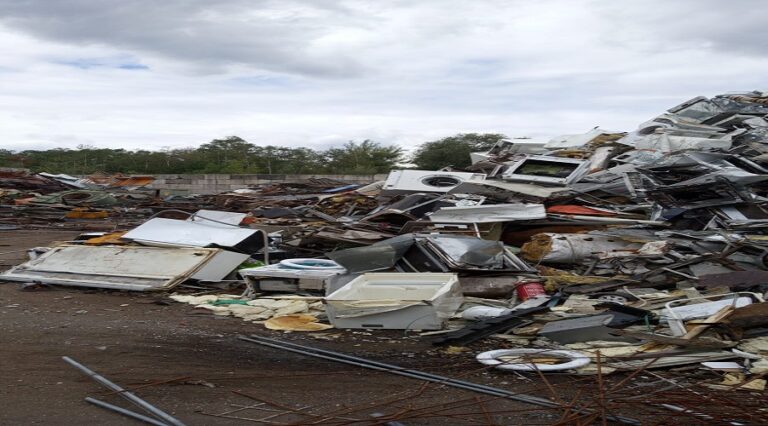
(316, 264)
(577, 359)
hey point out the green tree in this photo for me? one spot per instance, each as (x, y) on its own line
(6, 158)
(227, 155)
(231, 153)
(453, 150)
(367, 157)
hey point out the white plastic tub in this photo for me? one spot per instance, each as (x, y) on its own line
(399, 301)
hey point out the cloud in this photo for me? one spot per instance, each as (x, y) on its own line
(142, 74)
(268, 35)
(734, 28)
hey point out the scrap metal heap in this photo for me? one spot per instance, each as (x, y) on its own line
(591, 253)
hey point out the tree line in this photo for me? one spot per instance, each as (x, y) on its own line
(234, 155)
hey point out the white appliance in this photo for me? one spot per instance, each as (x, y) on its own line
(407, 181)
(396, 301)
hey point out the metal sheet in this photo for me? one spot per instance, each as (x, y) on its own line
(469, 251)
(180, 233)
(376, 257)
(490, 213)
(458, 252)
(668, 359)
(117, 267)
(507, 191)
(280, 271)
(573, 141)
(68, 180)
(220, 266)
(665, 142)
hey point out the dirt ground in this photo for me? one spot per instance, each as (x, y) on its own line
(189, 364)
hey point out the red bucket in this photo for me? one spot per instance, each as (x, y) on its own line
(526, 291)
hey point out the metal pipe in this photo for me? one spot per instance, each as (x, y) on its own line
(399, 371)
(435, 377)
(124, 393)
(125, 412)
(415, 374)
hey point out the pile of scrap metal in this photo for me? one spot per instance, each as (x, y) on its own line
(647, 247)
(48, 182)
(18, 183)
(59, 200)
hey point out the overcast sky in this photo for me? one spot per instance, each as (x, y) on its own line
(177, 73)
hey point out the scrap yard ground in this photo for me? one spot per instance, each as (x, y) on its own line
(138, 339)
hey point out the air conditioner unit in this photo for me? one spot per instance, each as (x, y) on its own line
(406, 181)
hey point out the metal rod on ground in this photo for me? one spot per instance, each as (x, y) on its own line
(415, 374)
(405, 372)
(125, 394)
(437, 378)
(125, 412)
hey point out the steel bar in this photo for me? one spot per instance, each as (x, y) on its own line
(125, 412)
(361, 362)
(387, 367)
(125, 394)
(415, 374)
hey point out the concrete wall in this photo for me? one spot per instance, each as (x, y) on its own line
(213, 184)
